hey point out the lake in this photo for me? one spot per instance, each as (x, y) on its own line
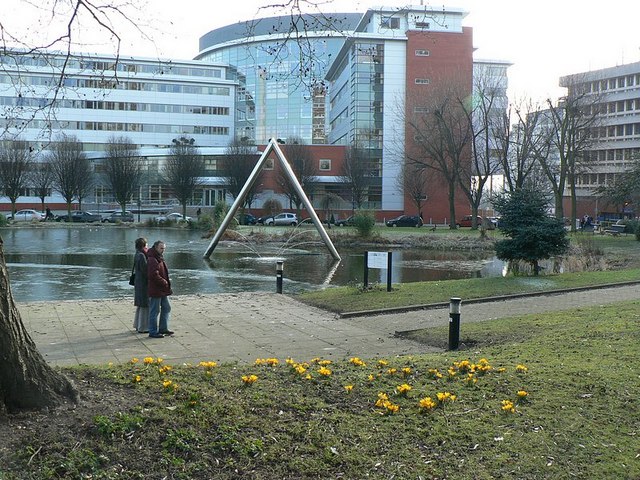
(94, 261)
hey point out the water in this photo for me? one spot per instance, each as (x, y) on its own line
(85, 262)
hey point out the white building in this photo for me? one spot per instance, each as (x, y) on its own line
(618, 133)
(96, 97)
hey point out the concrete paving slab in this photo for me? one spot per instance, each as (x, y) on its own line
(241, 327)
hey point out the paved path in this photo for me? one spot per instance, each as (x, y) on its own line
(246, 326)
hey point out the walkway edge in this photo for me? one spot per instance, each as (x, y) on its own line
(430, 306)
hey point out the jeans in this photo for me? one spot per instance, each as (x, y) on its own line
(162, 305)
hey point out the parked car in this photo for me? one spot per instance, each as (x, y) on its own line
(263, 220)
(119, 217)
(282, 219)
(495, 221)
(405, 221)
(173, 217)
(466, 222)
(80, 216)
(26, 215)
(344, 222)
(247, 219)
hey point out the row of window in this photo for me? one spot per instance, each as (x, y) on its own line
(629, 129)
(615, 154)
(115, 127)
(110, 84)
(620, 106)
(161, 68)
(615, 83)
(118, 106)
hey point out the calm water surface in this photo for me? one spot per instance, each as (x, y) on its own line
(86, 262)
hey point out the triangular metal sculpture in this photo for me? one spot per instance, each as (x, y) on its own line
(272, 147)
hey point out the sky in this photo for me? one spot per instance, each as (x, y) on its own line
(544, 39)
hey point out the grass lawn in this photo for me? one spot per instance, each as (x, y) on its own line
(550, 396)
(622, 253)
(354, 299)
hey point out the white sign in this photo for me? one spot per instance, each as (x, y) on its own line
(378, 260)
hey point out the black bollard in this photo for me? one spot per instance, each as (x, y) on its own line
(279, 270)
(454, 323)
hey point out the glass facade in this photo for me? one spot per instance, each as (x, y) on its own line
(282, 90)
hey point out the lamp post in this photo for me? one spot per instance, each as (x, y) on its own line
(279, 273)
(454, 323)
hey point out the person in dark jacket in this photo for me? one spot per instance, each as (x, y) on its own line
(140, 295)
(159, 289)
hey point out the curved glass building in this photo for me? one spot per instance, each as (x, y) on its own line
(282, 90)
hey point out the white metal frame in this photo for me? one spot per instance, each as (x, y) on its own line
(272, 147)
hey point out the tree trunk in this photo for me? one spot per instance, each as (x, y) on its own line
(452, 204)
(27, 382)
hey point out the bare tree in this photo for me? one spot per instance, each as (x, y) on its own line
(625, 188)
(301, 161)
(42, 180)
(64, 156)
(239, 161)
(413, 182)
(485, 118)
(184, 170)
(441, 135)
(569, 136)
(356, 174)
(84, 178)
(15, 164)
(518, 141)
(123, 169)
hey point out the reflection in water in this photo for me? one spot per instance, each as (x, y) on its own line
(87, 262)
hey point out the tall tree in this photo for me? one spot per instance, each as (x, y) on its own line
(67, 160)
(123, 169)
(26, 380)
(184, 170)
(240, 158)
(298, 154)
(356, 174)
(413, 182)
(42, 180)
(441, 135)
(15, 165)
(517, 141)
(569, 126)
(625, 188)
(485, 118)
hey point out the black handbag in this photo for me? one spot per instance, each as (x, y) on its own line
(132, 277)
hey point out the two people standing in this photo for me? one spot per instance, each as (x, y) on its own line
(152, 289)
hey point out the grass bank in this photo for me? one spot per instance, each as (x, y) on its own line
(550, 396)
(354, 298)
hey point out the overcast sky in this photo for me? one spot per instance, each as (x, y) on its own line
(544, 39)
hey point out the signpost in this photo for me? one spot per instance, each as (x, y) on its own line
(380, 260)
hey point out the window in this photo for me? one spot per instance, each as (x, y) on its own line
(390, 22)
(268, 164)
(422, 53)
(422, 81)
(325, 164)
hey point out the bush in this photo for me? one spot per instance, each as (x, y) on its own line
(364, 221)
(272, 206)
(220, 210)
(204, 222)
(3, 220)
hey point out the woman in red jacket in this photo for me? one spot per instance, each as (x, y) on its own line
(159, 289)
